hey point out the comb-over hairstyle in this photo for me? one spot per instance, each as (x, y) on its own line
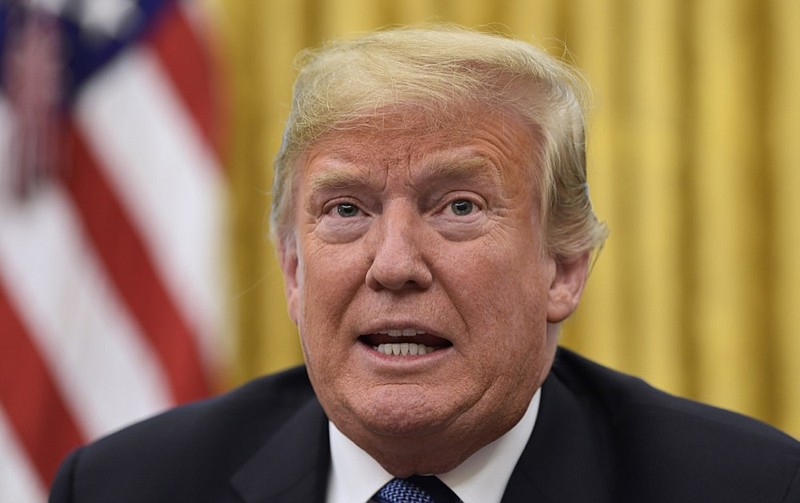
(442, 70)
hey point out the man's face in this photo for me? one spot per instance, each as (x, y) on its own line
(425, 241)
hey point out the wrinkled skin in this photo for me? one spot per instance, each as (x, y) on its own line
(435, 229)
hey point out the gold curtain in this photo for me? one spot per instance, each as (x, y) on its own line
(694, 164)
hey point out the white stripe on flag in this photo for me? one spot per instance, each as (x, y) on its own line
(153, 157)
(106, 372)
(198, 17)
(6, 122)
(19, 482)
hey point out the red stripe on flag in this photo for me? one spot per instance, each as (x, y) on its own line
(32, 402)
(131, 269)
(186, 61)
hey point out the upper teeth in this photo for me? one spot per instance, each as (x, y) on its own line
(405, 332)
(403, 348)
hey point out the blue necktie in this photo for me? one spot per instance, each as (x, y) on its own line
(416, 489)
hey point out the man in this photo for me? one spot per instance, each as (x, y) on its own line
(434, 228)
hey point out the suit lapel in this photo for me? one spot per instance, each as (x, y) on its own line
(293, 465)
(564, 458)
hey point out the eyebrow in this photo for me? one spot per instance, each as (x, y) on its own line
(448, 166)
(340, 178)
(436, 169)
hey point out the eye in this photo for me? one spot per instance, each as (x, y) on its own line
(347, 210)
(462, 207)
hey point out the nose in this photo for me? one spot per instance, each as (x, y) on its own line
(398, 251)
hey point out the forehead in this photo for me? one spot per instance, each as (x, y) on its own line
(414, 140)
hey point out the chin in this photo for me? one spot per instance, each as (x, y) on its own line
(403, 412)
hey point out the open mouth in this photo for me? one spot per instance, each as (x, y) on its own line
(404, 342)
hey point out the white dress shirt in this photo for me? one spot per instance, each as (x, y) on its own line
(482, 478)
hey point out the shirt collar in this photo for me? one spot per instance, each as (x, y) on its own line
(482, 478)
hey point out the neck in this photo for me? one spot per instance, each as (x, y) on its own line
(429, 454)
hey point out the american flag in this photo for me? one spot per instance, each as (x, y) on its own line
(111, 224)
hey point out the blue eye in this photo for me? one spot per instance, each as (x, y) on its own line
(462, 207)
(347, 210)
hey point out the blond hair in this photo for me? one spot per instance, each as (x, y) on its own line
(440, 68)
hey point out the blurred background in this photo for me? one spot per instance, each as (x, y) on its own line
(136, 139)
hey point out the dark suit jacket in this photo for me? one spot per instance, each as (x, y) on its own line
(600, 437)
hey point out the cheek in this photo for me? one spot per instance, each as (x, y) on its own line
(505, 308)
(329, 280)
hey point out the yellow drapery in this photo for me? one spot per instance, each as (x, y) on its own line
(694, 163)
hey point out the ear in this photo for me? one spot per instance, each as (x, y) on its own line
(567, 287)
(288, 257)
